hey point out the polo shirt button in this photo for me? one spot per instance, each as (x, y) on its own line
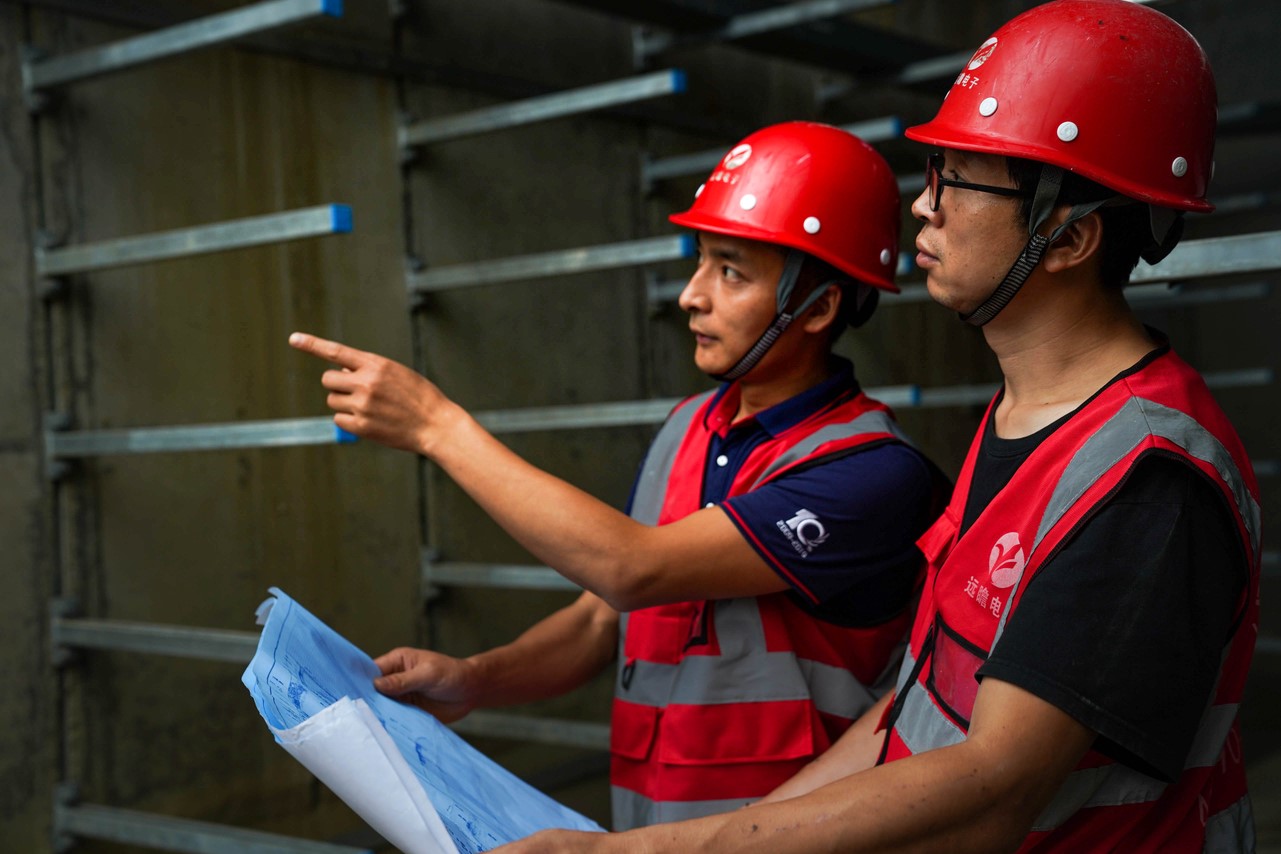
(722, 461)
(710, 504)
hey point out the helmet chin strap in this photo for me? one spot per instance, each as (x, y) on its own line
(782, 319)
(1047, 194)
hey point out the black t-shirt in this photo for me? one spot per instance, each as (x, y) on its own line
(1124, 628)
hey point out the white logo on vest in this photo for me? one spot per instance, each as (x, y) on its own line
(1005, 564)
(804, 531)
(1004, 568)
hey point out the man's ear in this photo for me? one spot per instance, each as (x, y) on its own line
(823, 313)
(1079, 242)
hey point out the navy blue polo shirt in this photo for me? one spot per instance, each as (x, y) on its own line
(863, 511)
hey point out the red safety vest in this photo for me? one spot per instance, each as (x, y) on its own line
(719, 702)
(974, 583)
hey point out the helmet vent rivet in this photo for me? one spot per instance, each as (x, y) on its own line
(1179, 167)
(886, 255)
(987, 107)
(1068, 131)
(747, 202)
(812, 225)
(699, 191)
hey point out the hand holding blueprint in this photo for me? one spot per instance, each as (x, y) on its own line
(417, 783)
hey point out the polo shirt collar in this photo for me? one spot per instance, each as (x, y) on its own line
(788, 413)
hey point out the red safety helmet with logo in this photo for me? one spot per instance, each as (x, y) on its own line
(811, 187)
(1108, 89)
(815, 190)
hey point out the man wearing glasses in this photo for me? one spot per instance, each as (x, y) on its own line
(1091, 605)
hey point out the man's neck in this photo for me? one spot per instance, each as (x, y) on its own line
(756, 394)
(1055, 356)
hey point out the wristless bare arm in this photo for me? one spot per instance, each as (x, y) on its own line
(627, 564)
(981, 795)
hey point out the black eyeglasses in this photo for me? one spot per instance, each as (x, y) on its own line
(935, 182)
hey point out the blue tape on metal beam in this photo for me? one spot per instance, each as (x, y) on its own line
(341, 218)
(916, 395)
(331, 7)
(679, 81)
(342, 437)
(897, 124)
(689, 246)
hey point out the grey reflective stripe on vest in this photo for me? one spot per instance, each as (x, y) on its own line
(1111, 785)
(874, 421)
(1107, 785)
(746, 672)
(651, 485)
(1231, 831)
(1135, 421)
(633, 810)
(922, 725)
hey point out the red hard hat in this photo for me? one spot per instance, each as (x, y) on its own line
(811, 187)
(1109, 89)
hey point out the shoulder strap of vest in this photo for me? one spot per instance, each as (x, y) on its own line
(877, 425)
(651, 484)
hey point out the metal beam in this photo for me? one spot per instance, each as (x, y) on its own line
(558, 105)
(584, 734)
(154, 639)
(750, 24)
(563, 262)
(184, 242)
(322, 431)
(148, 830)
(504, 576)
(285, 432)
(1216, 256)
(622, 414)
(42, 74)
(658, 169)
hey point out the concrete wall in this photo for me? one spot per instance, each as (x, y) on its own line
(197, 538)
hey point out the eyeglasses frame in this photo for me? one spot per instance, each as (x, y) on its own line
(934, 178)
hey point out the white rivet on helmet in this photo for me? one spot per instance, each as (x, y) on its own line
(1068, 131)
(886, 256)
(747, 202)
(699, 191)
(987, 106)
(811, 225)
(1179, 167)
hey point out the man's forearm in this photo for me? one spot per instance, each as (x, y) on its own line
(855, 751)
(554, 656)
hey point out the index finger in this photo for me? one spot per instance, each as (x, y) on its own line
(330, 351)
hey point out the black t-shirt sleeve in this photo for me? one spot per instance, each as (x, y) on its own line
(1124, 628)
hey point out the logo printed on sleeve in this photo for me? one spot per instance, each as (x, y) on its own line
(804, 531)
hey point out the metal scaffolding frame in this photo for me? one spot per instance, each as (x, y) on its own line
(42, 73)
(71, 632)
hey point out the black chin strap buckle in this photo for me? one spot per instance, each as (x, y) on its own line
(1014, 279)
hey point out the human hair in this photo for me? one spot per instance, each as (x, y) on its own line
(817, 273)
(1127, 227)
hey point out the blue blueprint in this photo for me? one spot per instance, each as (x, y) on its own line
(302, 666)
